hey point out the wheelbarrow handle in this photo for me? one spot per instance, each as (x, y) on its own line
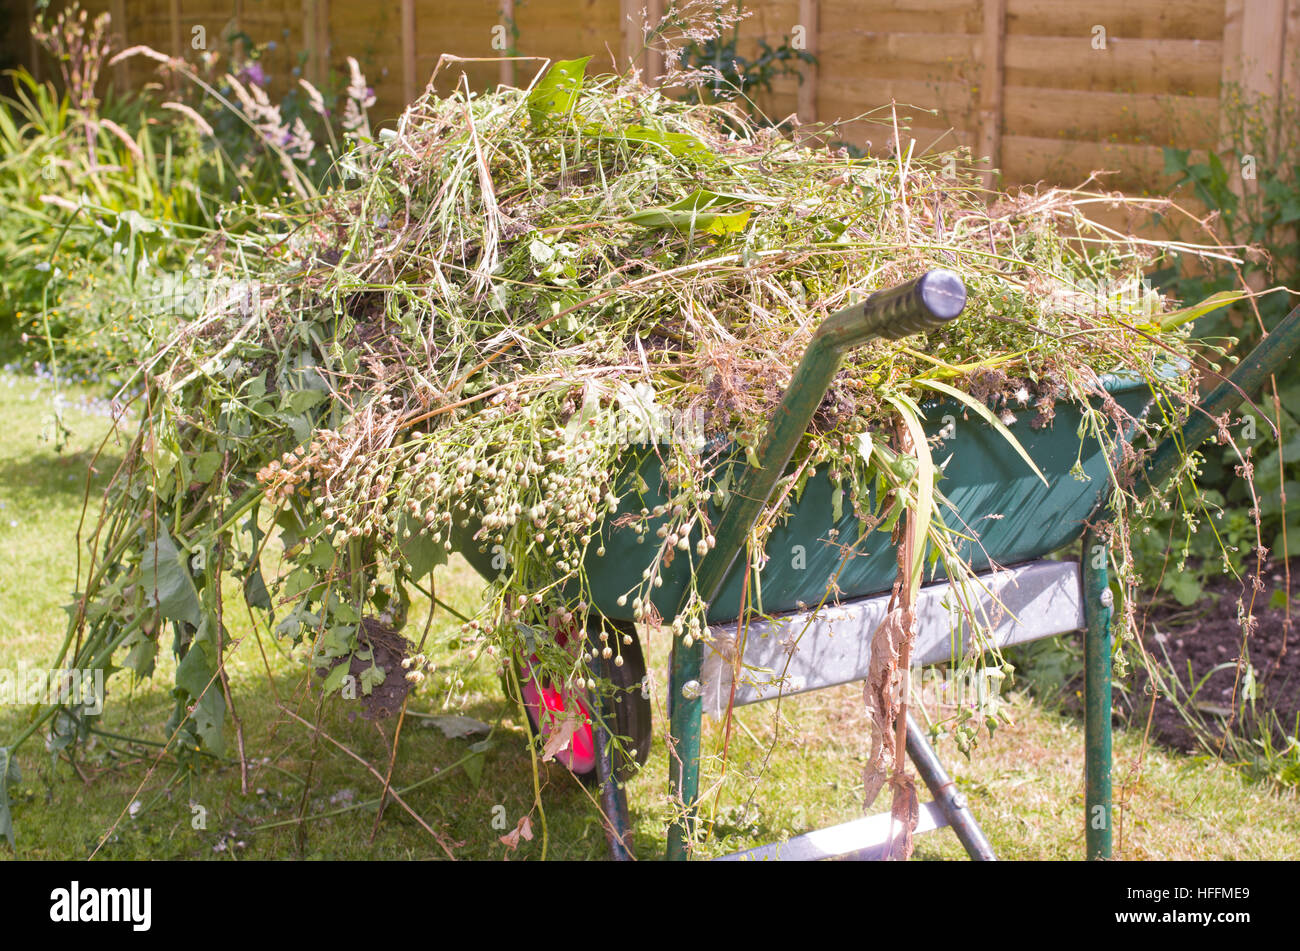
(923, 303)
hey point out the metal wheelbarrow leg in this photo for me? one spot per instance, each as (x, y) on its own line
(950, 801)
(1268, 357)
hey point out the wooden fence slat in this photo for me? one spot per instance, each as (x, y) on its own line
(323, 39)
(1263, 31)
(1291, 41)
(174, 23)
(1186, 19)
(309, 13)
(654, 58)
(903, 16)
(408, 50)
(1181, 121)
(807, 96)
(506, 69)
(992, 52)
(1184, 67)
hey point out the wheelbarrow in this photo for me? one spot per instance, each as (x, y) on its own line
(1028, 596)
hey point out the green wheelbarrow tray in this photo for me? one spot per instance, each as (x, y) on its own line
(1004, 506)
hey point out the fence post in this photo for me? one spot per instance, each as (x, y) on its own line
(807, 101)
(506, 68)
(990, 121)
(408, 51)
(654, 58)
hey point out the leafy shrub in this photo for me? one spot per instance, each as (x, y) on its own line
(1254, 190)
(109, 209)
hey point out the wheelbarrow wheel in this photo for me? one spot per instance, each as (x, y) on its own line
(632, 716)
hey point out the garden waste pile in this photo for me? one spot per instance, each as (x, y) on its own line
(512, 295)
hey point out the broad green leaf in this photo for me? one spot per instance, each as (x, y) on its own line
(677, 144)
(165, 575)
(205, 466)
(698, 211)
(371, 678)
(142, 654)
(299, 401)
(255, 591)
(292, 529)
(1184, 315)
(196, 675)
(989, 417)
(420, 550)
(556, 93)
(209, 720)
(473, 767)
(322, 555)
(197, 669)
(336, 677)
(299, 580)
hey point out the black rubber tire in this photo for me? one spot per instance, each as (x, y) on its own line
(633, 721)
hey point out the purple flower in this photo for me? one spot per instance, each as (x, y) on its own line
(254, 74)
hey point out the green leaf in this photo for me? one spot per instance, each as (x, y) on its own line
(864, 447)
(256, 594)
(473, 768)
(371, 678)
(196, 675)
(196, 670)
(1176, 318)
(168, 585)
(299, 401)
(556, 93)
(205, 466)
(421, 550)
(988, 416)
(9, 773)
(143, 651)
(698, 211)
(336, 677)
(299, 580)
(322, 555)
(1185, 587)
(677, 144)
(292, 529)
(209, 720)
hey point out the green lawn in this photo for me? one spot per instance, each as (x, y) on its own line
(309, 797)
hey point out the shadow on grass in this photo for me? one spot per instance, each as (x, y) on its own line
(306, 797)
(45, 473)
